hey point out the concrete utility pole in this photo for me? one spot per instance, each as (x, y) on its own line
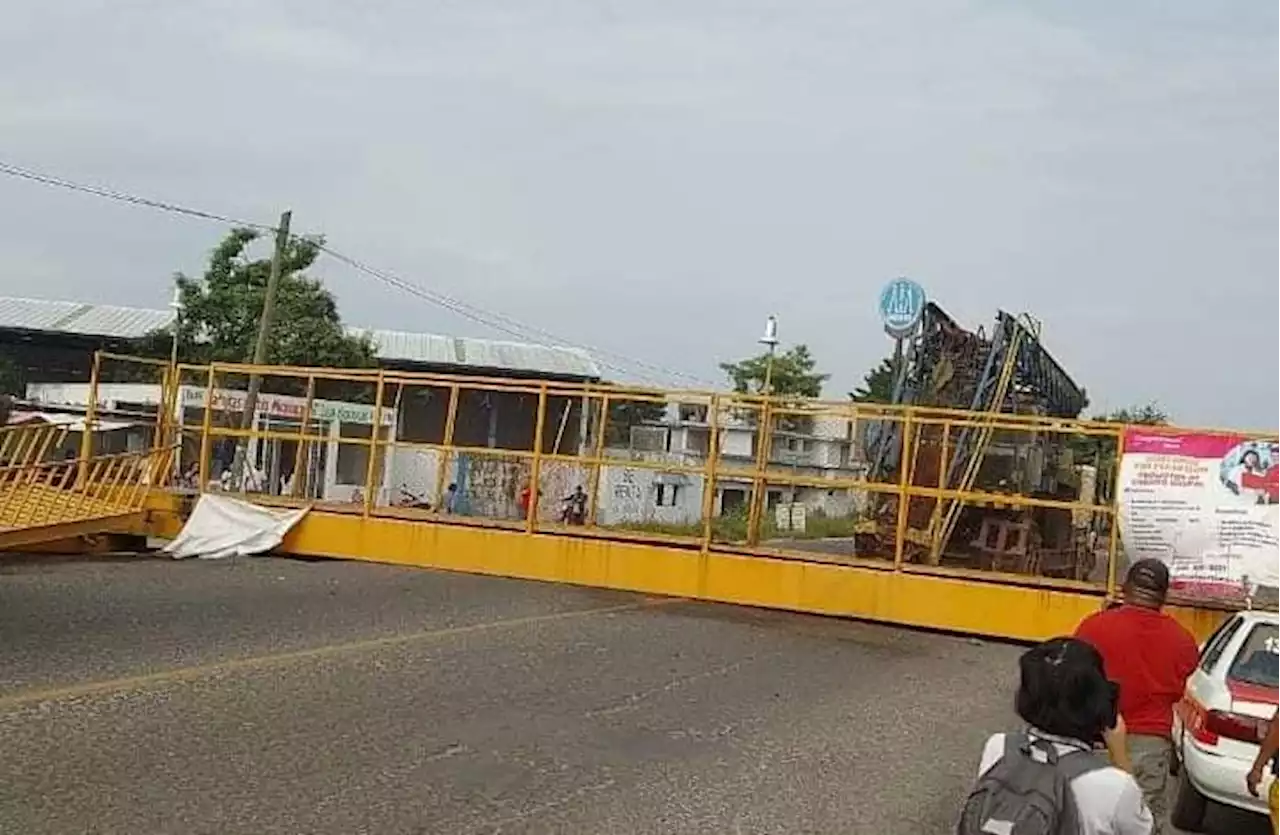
(260, 348)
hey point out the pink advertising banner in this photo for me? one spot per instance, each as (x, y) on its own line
(1206, 504)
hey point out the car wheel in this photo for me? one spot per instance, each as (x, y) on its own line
(1189, 806)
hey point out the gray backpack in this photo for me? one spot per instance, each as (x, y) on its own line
(1028, 792)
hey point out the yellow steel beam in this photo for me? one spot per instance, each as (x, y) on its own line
(597, 390)
(535, 469)
(19, 538)
(713, 465)
(108, 489)
(968, 605)
(302, 447)
(593, 473)
(375, 471)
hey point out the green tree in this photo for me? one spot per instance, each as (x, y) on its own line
(1099, 451)
(12, 378)
(1147, 414)
(794, 374)
(624, 414)
(877, 384)
(222, 308)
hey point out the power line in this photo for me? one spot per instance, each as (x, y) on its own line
(505, 324)
(490, 319)
(123, 197)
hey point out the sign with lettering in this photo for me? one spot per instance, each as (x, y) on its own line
(901, 306)
(1207, 505)
(287, 407)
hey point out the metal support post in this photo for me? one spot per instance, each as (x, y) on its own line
(535, 469)
(375, 435)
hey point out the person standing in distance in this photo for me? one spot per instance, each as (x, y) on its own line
(1150, 655)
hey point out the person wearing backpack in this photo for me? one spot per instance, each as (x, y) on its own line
(1053, 777)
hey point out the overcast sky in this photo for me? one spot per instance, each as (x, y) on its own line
(654, 177)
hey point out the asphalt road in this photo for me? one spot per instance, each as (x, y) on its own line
(263, 696)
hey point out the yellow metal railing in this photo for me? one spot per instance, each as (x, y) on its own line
(718, 471)
(713, 480)
(38, 493)
(59, 469)
(713, 477)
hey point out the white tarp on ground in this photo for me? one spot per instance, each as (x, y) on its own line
(222, 526)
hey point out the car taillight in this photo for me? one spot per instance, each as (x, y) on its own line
(1222, 724)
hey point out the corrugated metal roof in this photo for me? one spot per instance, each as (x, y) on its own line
(411, 347)
(115, 322)
(432, 349)
(103, 320)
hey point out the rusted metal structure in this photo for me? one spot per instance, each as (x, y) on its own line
(1006, 372)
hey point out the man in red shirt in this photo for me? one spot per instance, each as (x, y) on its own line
(522, 501)
(1150, 656)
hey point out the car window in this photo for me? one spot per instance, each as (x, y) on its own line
(1218, 643)
(1257, 662)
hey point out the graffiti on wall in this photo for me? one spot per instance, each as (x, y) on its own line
(492, 485)
(643, 495)
(627, 495)
(413, 475)
(558, 480)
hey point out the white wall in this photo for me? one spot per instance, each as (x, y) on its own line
(736, 442)
(77, 394)
(834, 502)
(630, 495)
(625, 495)
(416, 471)
(110, 394)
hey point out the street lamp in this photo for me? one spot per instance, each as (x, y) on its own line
(172, 413)
(770, 341)
(758, 502)
(175, 304)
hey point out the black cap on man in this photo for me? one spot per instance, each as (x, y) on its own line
(1147, 584)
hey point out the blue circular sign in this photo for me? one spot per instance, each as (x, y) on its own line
(901, 306)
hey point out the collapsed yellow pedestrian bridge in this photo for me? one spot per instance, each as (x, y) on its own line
(977, 521)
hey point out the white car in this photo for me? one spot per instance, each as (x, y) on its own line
(1218, 725)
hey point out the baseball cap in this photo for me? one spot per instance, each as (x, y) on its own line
(1150, 575)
